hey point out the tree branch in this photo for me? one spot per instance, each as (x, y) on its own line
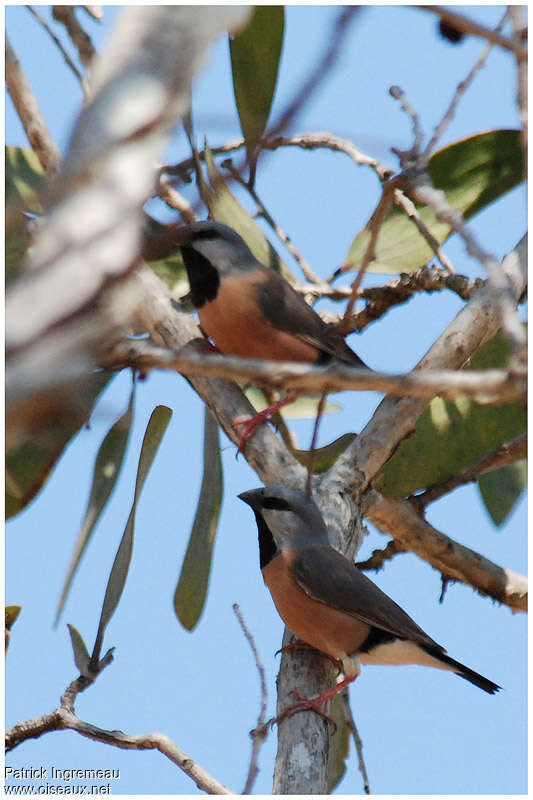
(400, 520)
(466, 25)
(30, 114)
(68, 61)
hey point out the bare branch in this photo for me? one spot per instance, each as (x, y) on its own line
(506, 453)
(305, 141)
(466, 25)
(379, 557)
(260, 732)
(487, 385)
(352, 727)
(400, 520)
(30, 114)
(80, 38)
(62, 719)
(459, 92)
(41, 20)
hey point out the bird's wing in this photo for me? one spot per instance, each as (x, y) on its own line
(327, 576)
(287, 310)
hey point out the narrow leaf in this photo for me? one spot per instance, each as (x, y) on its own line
(323, 457)
(30, 462)
(472, 172)
(105, 473)
(500, 489)
(24, 178)
(191, 591)
(81, 654)
(155, 430)
(452, 435)
(255, 56)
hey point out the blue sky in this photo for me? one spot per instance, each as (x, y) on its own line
(424, 732)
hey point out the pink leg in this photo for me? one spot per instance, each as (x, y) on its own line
(260, 417)
(314, 703)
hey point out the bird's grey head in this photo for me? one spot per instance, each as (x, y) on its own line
(217, 243)
(289, 517)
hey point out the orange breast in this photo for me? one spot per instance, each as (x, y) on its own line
(234, 322)
(332, 631)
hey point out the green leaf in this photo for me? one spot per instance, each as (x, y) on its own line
(452, 435)
(472, 172)
(155, 430)
(24, 179)
(324, 457)
(191, 591)
(224, 207)
(29, 462)
(105, 473)
(255, 56)
(500, 489)
(339, 743)
(11, 614)
(81, 654)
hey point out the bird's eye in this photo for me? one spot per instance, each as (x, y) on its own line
(275, 503)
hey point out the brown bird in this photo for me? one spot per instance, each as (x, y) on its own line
(250, 310)
(328, 603)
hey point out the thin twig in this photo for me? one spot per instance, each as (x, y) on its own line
(398, 93)
(374, 226)
(260, 732)
(466, 25)
(263, 212)
(312, 449)
(352, 727)
(30, 115)
(80, 38)
(64, 718)
(410, 209)
(379, 557)
(41, 20)
(506, 453)
(459, 92)
(174, 199)
(305, 141)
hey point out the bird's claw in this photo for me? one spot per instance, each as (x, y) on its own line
(305, 704)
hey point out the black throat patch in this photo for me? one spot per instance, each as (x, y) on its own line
(203, 277)
(267, 545)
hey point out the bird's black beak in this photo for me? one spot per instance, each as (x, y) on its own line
(253, 498)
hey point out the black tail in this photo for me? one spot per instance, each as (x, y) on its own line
(468, 674)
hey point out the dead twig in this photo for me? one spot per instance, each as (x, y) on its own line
(69, 62)
(466, 25)
(260, 732)
(80, 38)
(352, 727)
(379, 557)
(30, 115)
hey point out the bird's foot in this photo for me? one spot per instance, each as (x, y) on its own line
(315, 703)
(258, 419)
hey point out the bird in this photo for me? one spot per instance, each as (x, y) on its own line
(328, 603)
(250, 310)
